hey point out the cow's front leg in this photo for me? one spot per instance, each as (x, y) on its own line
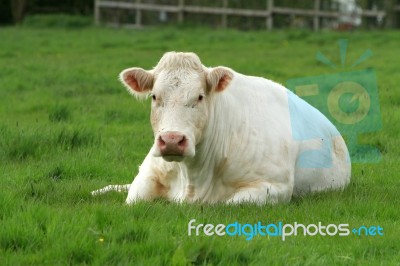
(152, 181)
(263, 193)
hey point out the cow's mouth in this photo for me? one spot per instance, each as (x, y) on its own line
(173, 158)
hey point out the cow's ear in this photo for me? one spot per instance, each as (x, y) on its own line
(218, 78)
(138, 81)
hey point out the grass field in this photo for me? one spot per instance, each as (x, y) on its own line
(67, 127)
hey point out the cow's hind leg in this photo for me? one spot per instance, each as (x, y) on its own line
(335, 177)
(117, 188)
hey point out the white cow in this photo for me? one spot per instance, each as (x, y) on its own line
(221, 136)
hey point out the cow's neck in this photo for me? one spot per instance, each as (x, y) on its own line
(203, 170)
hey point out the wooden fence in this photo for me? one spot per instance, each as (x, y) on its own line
(183, 10)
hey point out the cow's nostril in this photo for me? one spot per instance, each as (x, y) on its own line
(161, 142)
(182, 142)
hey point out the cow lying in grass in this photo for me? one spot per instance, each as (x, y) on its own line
(221, 136)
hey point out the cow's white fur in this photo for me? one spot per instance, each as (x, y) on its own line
(241, 147)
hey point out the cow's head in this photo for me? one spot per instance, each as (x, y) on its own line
(181, 89)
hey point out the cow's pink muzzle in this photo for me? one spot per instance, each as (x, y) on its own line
(172, 143)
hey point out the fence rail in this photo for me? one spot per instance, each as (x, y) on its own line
(181, 9)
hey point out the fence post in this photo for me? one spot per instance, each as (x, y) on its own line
(96, 13)
(316, 17)
(224, 15)
(138, 21)
(180, 12)
(396, 16)
(270, 21)
(390, 11)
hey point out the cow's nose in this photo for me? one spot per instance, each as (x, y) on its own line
(172, 143)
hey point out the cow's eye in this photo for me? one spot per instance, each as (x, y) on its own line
(201, 98)
(153, 97)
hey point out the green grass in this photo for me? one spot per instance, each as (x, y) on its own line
(68, 127)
